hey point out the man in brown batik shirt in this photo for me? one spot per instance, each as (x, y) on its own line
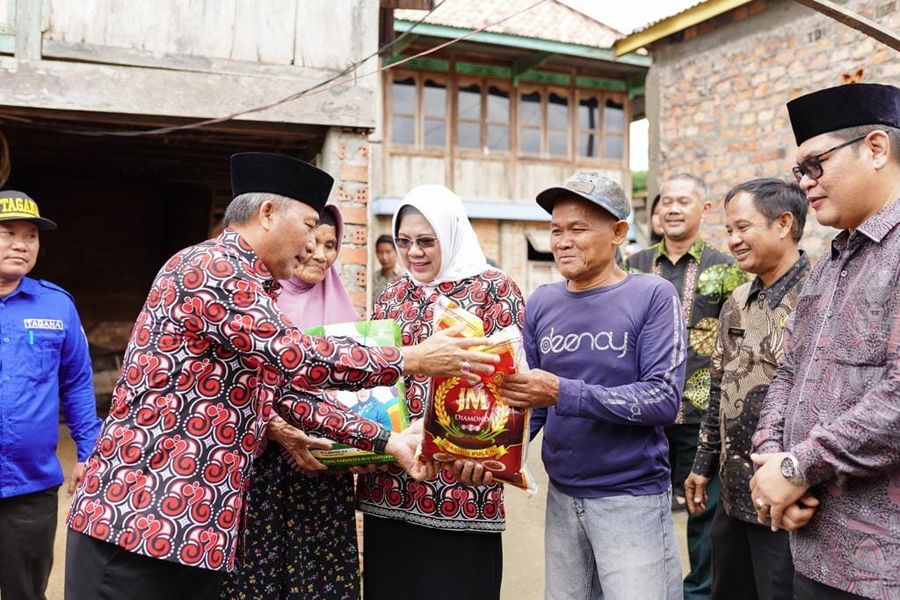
(764, 219)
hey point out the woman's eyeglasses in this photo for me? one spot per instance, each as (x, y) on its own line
(812, 166)
(424, 242)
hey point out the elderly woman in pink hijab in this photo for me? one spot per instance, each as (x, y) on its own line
(301, 529)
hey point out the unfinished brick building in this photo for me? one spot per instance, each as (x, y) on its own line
(722, 72)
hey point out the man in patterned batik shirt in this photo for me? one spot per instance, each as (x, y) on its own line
(159, 510)
(764, 219)
(830, 425)
(704, 278)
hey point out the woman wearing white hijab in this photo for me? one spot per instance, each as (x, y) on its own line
(437, 538)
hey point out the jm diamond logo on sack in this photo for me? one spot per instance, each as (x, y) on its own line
(470, 421)
(573, 342)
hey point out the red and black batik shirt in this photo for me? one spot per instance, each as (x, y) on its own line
(209, 358)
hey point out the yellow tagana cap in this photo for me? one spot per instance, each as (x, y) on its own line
(19, 206)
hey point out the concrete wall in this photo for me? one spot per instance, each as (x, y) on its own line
(716, 101)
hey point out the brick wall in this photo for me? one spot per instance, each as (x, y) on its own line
(716, 98)
(345, 154)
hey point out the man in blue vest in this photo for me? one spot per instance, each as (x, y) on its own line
(44, 364)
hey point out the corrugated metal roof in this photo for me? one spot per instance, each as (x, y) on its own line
(667, 17)
(697, 13)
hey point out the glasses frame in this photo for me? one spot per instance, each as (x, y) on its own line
(811, 164)
(424, 242)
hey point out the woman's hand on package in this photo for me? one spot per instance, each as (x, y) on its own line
(404, 448)
(531, 389)
(470, 472)
(432, 468)
(442, 354)
(298, 444)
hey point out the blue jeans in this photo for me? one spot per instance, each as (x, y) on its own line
(614, 548)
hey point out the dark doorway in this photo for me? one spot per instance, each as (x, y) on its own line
(124, 205)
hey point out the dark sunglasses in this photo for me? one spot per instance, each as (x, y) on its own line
(424, 242)
(812, 166)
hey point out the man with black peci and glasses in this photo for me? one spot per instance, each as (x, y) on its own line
(830, 425)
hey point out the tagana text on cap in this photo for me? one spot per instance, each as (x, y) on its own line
(18, 206)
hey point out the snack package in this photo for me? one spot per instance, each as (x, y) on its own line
(448, 313)
(470, 421)
(385, 405)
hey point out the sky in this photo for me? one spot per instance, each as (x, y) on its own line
(638, 145)
(631, 15)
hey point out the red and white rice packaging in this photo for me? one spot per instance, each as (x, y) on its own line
(470, 421)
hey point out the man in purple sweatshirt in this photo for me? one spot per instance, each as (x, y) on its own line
(607, 355)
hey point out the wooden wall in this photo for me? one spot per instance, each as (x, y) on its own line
(485, 179)
(311, 33)
(197, 58)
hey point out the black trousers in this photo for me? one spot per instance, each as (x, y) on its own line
(749, 561)
(98, 570)
(408, 562)
(808, 589)
(27, 528)
(683, 441)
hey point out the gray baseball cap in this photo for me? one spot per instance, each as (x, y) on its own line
(593, 187)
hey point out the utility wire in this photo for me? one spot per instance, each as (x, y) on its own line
(318, 88)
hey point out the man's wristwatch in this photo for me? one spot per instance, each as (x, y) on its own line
(790, 469)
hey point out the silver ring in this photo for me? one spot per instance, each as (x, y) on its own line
(760, 504)
(465, 367)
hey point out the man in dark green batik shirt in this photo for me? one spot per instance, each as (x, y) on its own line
(704, 278)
